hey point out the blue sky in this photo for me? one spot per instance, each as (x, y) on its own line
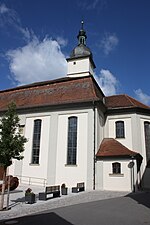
(36, 36)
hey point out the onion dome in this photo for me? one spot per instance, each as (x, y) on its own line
(81, 50)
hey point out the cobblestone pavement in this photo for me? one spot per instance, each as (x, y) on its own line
(18, 207)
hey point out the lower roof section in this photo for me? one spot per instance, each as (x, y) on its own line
(110, 147)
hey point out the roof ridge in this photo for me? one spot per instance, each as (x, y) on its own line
(129, 98)
(95, 85)
(115, 95)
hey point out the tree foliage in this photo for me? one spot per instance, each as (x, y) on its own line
(11, 141)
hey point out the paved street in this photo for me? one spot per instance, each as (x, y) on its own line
(19, 208)
(133, 209)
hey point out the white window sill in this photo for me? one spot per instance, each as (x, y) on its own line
(116, 175)
(34, 164)
(70, 165)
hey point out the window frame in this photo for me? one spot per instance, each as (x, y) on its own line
(116, 168)
(120, 129)
(72, 141)
(36, 141)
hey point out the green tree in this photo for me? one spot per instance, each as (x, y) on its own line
(11, 141)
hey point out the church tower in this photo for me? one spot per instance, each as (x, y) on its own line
(81, 61)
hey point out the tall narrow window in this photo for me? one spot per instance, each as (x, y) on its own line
(36, 141)
(120, 129)
(147, 140)
(116, 168)
(72, 141)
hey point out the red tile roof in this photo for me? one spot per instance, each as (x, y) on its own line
(64, 91)
(123, 101)
(110, 147)
(61, 91)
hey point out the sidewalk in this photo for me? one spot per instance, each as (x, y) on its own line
(20, 208)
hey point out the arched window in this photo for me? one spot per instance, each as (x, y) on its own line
(72, 141)
(116, 168)
(120, 133)
(36, 141)
(147, 140)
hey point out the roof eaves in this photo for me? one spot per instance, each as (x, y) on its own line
(115, 156)
(128, 110)
(59, 104)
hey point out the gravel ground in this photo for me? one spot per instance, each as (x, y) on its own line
(18, 207)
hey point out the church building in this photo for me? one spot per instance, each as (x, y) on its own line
(77, 134)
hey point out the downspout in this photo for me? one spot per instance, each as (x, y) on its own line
(94, 125)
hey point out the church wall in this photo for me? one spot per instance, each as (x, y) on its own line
(52, 168)
(16, 167)
(71, 174)
(99, 175)
(100, 124)
(51, 160)
(36, 173)
(143, 151)
(136, 133)
(90, 150)
(110, 130)
(145, 171)
(134, 138)
(115, 182)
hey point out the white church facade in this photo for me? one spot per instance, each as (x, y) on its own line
(77, 134)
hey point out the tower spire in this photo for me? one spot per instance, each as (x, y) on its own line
(82, 35)
(80, 62)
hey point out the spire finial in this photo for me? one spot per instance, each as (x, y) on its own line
(82, 35)
(82, 23)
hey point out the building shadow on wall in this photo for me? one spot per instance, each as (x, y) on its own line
(142, 196)
(44, 219)
(145, 181)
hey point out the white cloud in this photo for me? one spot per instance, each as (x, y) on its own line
(9, 17)
(109, 43)
(107, 82)
(37, 61)
(142, 96)
(92, 5)
(61, 41)
(87, 5)
(3, 9)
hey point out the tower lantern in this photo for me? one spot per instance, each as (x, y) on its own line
(80, 62)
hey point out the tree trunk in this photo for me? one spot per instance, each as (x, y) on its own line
(8, 193)
(3, 192)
